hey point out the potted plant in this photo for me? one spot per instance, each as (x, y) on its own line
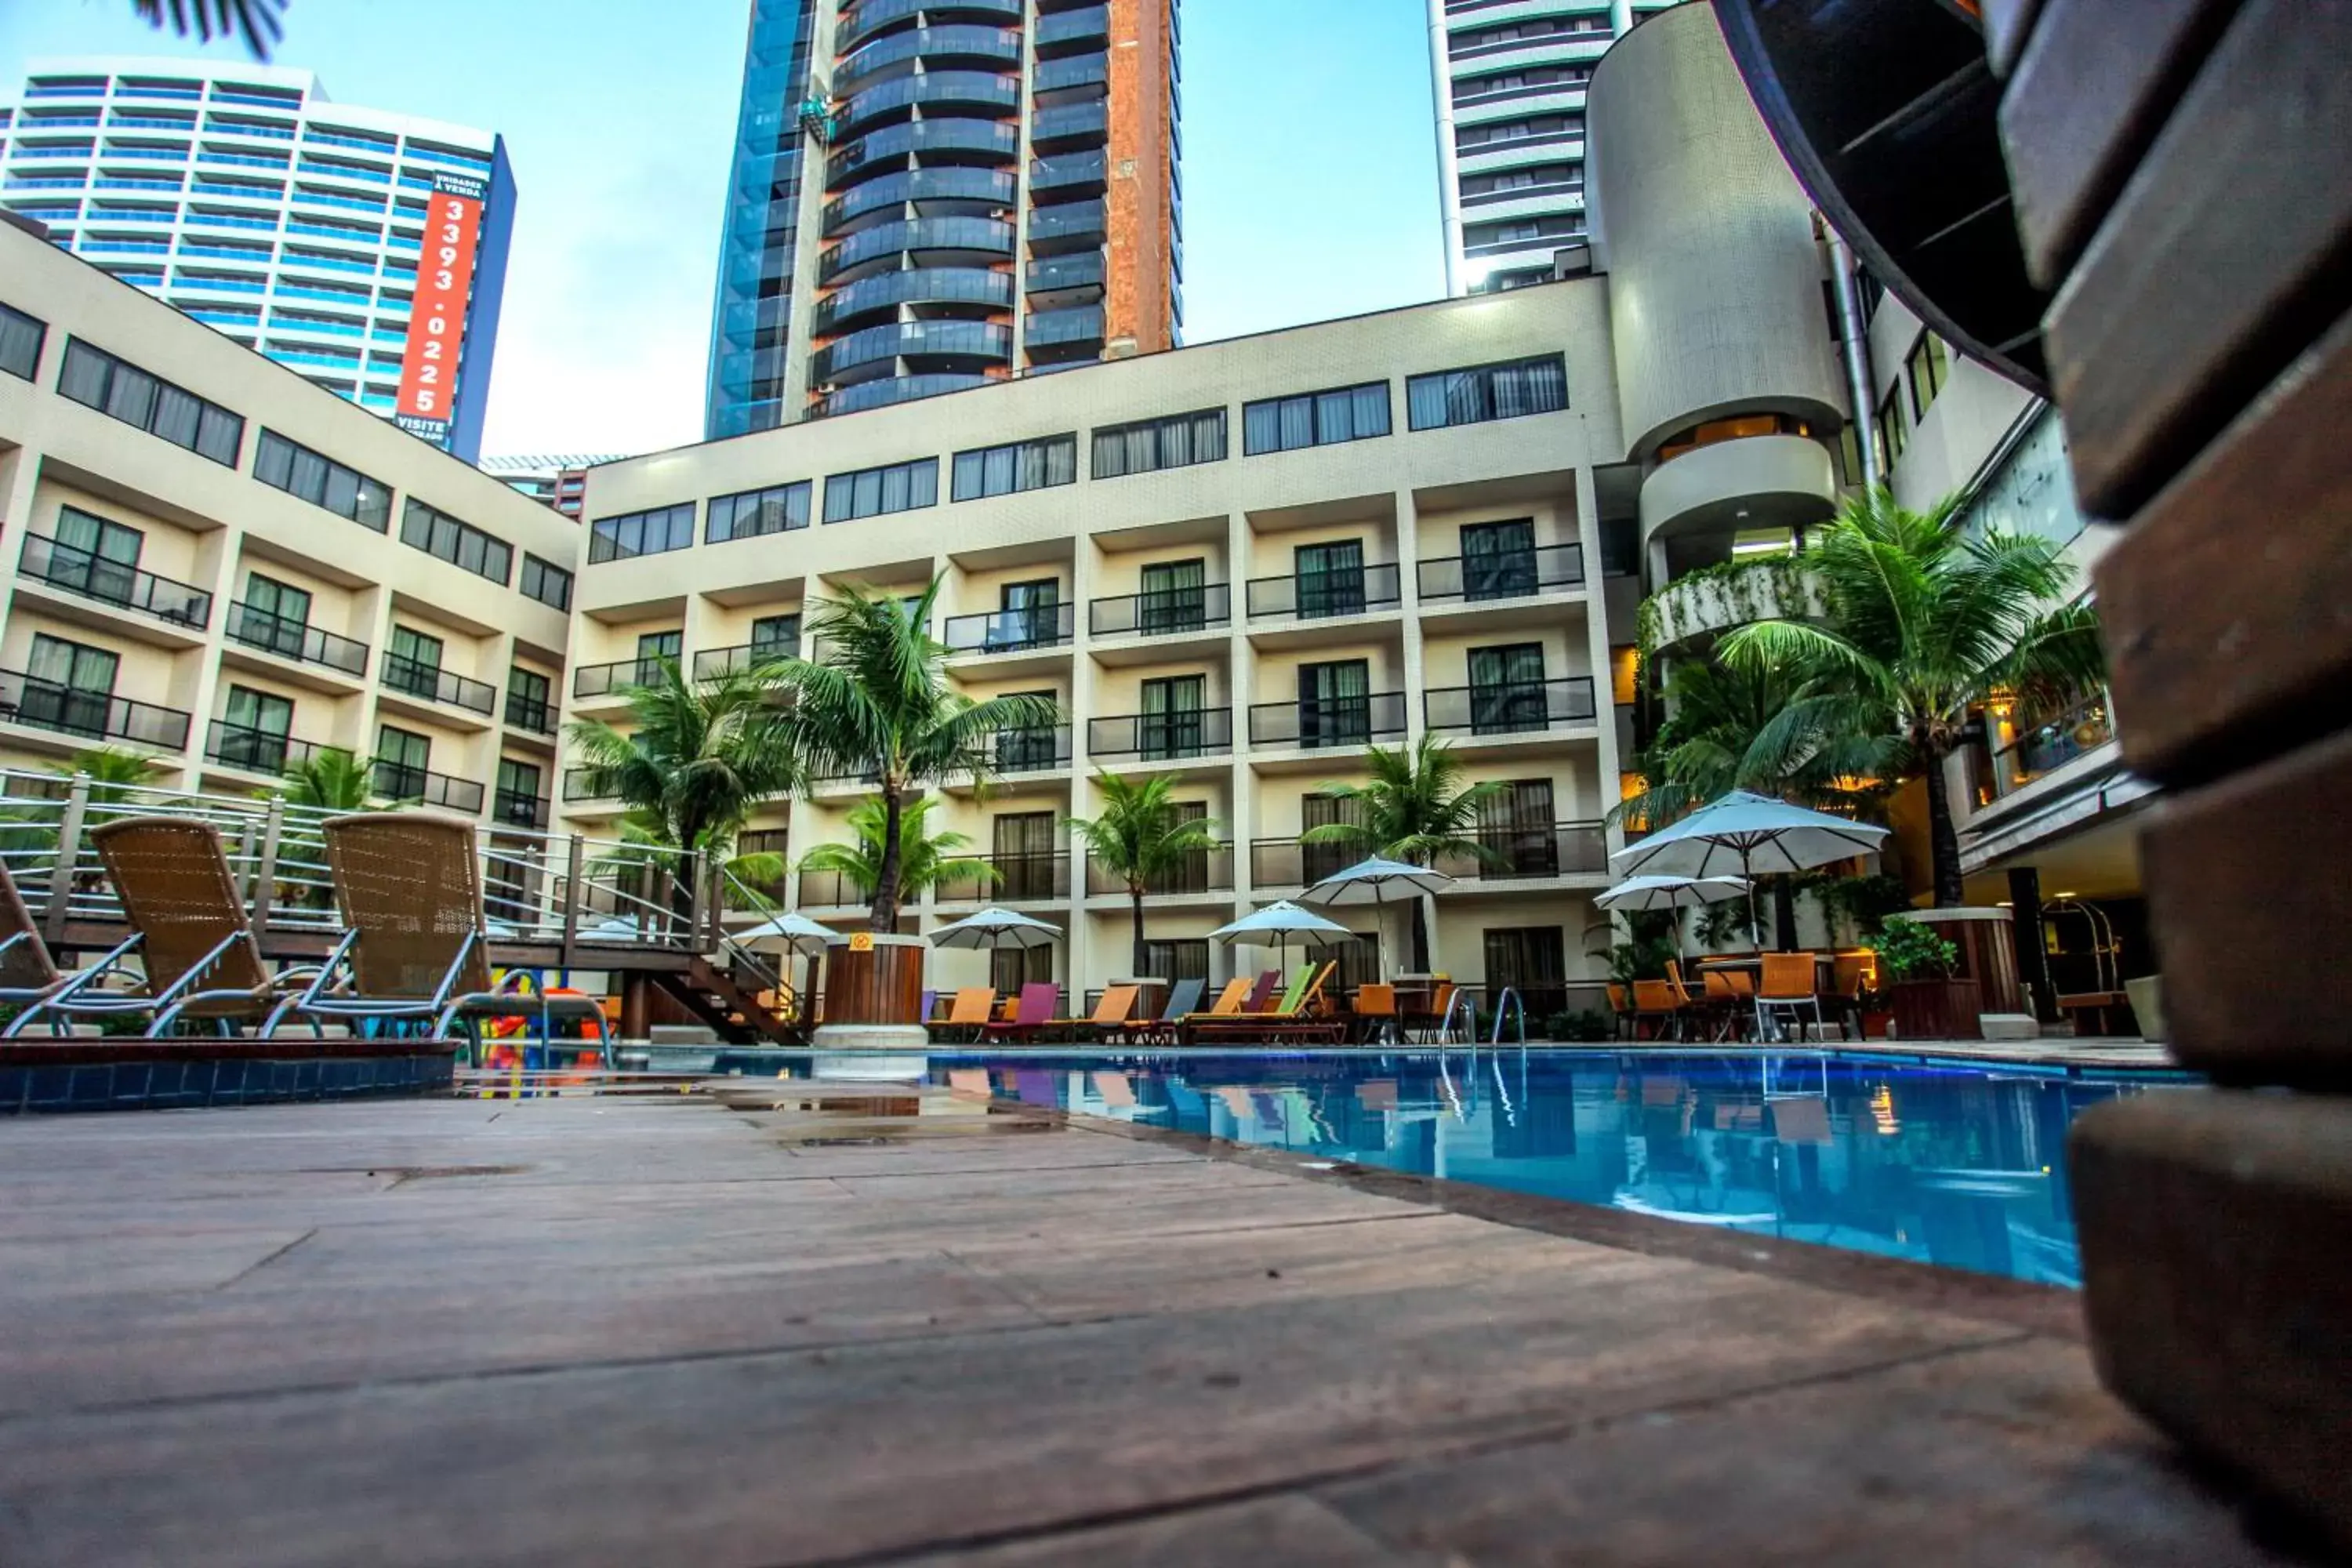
(1915, 967)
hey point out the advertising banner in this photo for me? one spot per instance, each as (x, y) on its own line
(436, 321)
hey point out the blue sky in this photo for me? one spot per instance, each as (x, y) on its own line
(1311, 181)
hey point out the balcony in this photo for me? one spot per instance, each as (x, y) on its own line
(1037, 750)
(1511, 706)
(885, 345)
(1056, 230)
(877, 299)
(949, 92)
(256, 750)
(1065, 274)
(532, 713)
(980, 238)
(1088, 28)
(2043, 749)
(1068, 176)
(1163, 612)
(1161, 737)
(717, 661)
(613, 680)
(895, 389)
(1013, 631)
(1288, 863)
(1203, 871)
(980, 187)
(985, 142)
(407, 785)
(1562, 849)
(90, 715)
(1069, 127)
(1314, 724)
(1507, 575)
(1753, 482)
(296, 640)
(510, 809)
(124, 586)
(580, 788)
(1320, 595)
(961, 43)
(873, 16)
(1059, 336)
(833, 889)
(1718, 599)
(1006, 879)
(417, 678)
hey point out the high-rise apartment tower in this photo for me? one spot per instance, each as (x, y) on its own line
(1510, 82)
(932, 194)
(362, 249)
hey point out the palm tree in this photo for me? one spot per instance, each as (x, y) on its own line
(924, 858)
(878, 706)
(698, 758)
(330, 779)
(1924, 624)
(1141, 837)
(112, 773)
(1414, 810)
(253, 21)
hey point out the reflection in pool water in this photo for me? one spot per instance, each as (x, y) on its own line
(1961, 1165)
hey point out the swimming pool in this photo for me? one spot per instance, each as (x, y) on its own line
(1959, 1164)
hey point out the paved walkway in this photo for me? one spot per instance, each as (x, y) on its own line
(851, 1326)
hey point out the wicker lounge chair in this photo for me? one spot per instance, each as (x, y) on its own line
(27, 972)
(416, 948)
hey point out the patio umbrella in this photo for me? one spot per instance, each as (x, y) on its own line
(1755, 832)
(993, 929)
(1282, 921)
(1376, 881)
(1670, 893)
(795, 932)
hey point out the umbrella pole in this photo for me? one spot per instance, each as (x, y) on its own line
(1755, 930)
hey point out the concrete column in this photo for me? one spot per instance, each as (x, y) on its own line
(2032, 957)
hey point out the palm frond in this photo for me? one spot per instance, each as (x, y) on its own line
(255, 22)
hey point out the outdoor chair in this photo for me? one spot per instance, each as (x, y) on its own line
(1032, 1013)
(1849, 977)
(1627, 1023)
(971, 1009)
(1184, 999)
(1110, 1014)
(1299, 1014)
(27, 972)
(1656, 1003)
(1725, 1003)
(1786, 988)
(1441, 1005)
(196, 952)
(1376, 1013)
(1228, 1003)
(416, 948)
(1261, 995)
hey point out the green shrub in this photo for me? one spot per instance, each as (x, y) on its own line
(1909, 951)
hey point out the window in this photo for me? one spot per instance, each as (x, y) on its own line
(1176, 958)
(1335, 703)
(1499, 559)
(775, 636)
(1172, 725)
(1621, 546)
(1532, 961)
(1315, 419)
(1926, 367)
(96, 379)
(1029, 615)
(1022, 846)
(1317, 861)
(655, 647)
(1488, 392)
(1011, 968)
(1022, 466)
(641, 533)
(1507, 689)
(413, 662)
(298, 471)
(550, 584)
(779, 509)
(1028, 749)
(1174, 597)
(403, 760)
(275, 615)
(517, 797)
(1148, 445)
(96, 556)
(1516, 823)
(20, 342)
(872, 492)
(1890, 437)
(527, 704)
(460, 544)
(69, 686)
(253, 731)
(1329, 578)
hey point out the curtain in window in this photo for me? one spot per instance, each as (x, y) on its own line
(1174, 596)
(1531, 960)
(84, 377)
(1507, 689)
(1335, 703)
(1317, 861)
(1009, 969)
(1517, 824)
(76, 685)
(1370, 413)
(1177, 959)
(1426, 406)
(257, 726)
(1029, 615)
(1173, 716)
(177, 415)
(1298, 423)
(131, 397)
(1329, 578)
(1499, 559)
(1262, 428)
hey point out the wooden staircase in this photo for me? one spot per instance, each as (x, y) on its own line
(730, 1006)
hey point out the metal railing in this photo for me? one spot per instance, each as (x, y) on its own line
(532, 713)
(1032, 751)
(580, 786)
(1006, 879)
(117, 583)
(1162, 612)
(606, 679)
(1202, 871)
(430, 681)
(1511, 706)
(1162, 737)
(256, 750)
(1561, 849)
(1012, 631)
(93, 715)
(833, 889)
(2049, 746)
(404, 783)
(1318, 723)
(714, 661)
(512, 809)
(1317, 595)
(1287, 863)
(1507, 575)
(298, 640)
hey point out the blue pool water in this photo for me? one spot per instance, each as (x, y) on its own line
(1952, 1163)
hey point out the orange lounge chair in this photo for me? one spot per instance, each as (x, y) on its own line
(972, 1009)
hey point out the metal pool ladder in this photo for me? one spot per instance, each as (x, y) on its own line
(1468, 1012)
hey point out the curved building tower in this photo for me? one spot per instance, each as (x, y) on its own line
(932, 194)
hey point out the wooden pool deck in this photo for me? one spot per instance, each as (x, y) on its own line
(786, 1324)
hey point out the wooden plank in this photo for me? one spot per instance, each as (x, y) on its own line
(2223, 259)
(2217, 1260)
(2245, 883)
(2228, 604)
(2088, 96)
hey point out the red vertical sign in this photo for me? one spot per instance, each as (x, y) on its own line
(436, 321)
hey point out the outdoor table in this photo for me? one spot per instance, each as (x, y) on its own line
(1825, 970)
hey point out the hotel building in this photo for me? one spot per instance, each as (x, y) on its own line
(295, 224)
(927, 196)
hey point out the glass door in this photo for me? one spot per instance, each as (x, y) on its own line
(1174, 597)
(1028, 615)
(274, 616)
(413, 662)
(1532, 961)
(1507, 689)
(1499, 559)
(517, 796)
(1173, 718)
(775, 638)
(96, 556)
(1517, 824)
(1335, 703)
(652, 648)
(402, 759)
(1317, 861)
(1024, 856)
(1329, 578)
(1030, 750)
(72, 686)
(254, 729)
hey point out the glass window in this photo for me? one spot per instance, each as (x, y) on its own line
(460, 544)
(298, 471)
(1149, 445)
(637, 533)
(1329, 578)
(1892, 434)
(1174, 596)
(1173, 724)
(403, 757)
(872, 492)
(1489, 392)
(96, 379)
(412, 663)
(20, 342)
(1499, 559)
(1021, 466)
(69, 686)
(1316, 419)
(775, 636)
(779, 509)
(1926, 367)
(550, 584)
(1507, 689)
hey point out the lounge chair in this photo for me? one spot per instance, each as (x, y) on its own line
(971, 1009)
(416, 947)
(27, 972)
(1032, 1016)
(1228, 1003)
(197, 954)
(1110, 1013)
(1183, 998)
(1298, 1013)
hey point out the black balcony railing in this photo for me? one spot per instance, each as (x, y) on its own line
(1314, 723)
(511, 808)
(1288, 863)
(1162, 612)
(1162, 737)
(1011, 631)
(126, 587)
(1507, 575)
(605, 680)
(407, 784)
(1006, 879)
(298, 640)
(833, 889)
(2049, 746)
(712, 661)
(95, 715)
(255, 750)
(535, 714)
(579, 785)
(430, 681)
(1202, 871)
(1313, 595)
(1037, 749)
(1511, 706)
(1561, 849)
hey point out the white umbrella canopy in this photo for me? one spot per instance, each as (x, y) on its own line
(1670, 892)
(1279, 922)
(1376, 881)
(1752, 831)
(995, 928)
(794, 932)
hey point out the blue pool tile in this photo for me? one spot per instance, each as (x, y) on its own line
(15, 1084)
(92, 1086)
